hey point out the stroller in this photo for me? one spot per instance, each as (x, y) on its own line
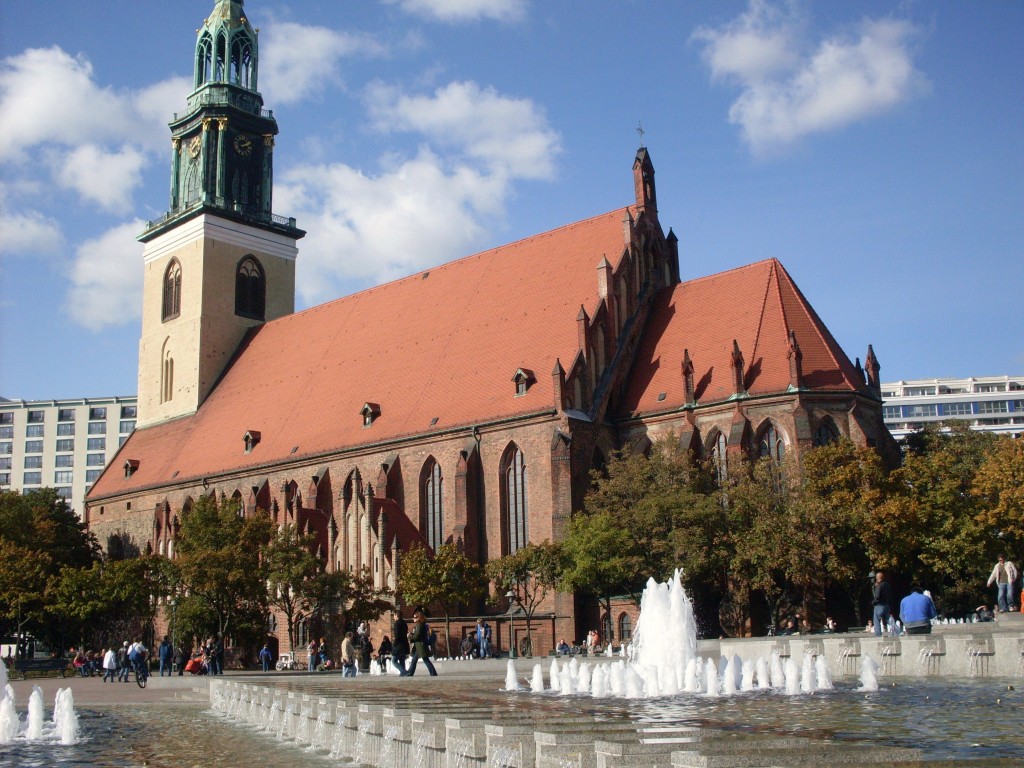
(196, 666)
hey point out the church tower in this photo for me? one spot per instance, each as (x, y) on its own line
(219, 261)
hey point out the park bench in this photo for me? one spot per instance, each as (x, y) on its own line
(40, 665)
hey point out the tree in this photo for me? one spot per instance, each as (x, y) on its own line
(646, 517)
(530, 574)
(218, 562)
(40, 536)
(999, 486)
(446, 578)
(291, 567)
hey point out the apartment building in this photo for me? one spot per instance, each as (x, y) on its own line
(989, 403)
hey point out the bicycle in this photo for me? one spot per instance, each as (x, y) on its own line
(141, 673)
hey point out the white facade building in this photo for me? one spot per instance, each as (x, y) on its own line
(62, 444)
(989, 403)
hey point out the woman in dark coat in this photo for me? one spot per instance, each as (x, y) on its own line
(400, 648)
(419, 640)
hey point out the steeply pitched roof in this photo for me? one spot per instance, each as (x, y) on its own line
(756, 305)
(441, 344)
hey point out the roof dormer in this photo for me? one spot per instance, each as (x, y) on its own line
(524, 379)
(370, 413)
(131, 466)
(252, 439)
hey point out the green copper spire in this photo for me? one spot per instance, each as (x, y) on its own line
(226, 48)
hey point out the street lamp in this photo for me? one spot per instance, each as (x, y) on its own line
(510, 596)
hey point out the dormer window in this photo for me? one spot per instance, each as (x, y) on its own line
(370, 412)
(251, 438)
(130, 467)
(523, 379)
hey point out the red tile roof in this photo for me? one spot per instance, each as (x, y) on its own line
(443, 343)
(756, 305)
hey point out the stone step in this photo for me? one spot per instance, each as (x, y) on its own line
(812, 753)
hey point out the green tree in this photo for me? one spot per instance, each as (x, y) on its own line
(40, 536)
(219, 562)
(446, 578)
(291, 569)
(530, 574)
(646, 516)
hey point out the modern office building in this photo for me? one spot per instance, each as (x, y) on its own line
(989, 403)
(62, 444)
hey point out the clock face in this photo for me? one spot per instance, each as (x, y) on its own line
(194, 146)
(243, 145)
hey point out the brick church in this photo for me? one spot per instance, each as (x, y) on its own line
(464, 403)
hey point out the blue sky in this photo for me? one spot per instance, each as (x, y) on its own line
(876, 149)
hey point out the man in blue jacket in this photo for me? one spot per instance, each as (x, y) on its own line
(917, 611)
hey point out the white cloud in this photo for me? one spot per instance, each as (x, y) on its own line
(420, 211)
(106, 279)
(28, 233)
(106, 178)
(465, 10)
(508, 135)
(787, 94)
(297, 60)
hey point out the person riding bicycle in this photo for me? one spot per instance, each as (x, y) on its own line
(137, 656)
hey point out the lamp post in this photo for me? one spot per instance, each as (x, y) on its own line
(511, 597)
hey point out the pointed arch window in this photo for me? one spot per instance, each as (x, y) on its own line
(172, 291)
(432, 504)
(250, 289)
(166, 376)
(719, 457)
(826, 433)
(771, 444)
(514, 500)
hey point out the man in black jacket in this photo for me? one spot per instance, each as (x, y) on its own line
(400, 647)
(881, 594)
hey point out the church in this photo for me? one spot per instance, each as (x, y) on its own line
(464, 403)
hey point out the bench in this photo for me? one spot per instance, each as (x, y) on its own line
(41, 665)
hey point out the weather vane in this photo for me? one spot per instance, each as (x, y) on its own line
(640, 131)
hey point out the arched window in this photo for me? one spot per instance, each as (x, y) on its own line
(625, 627)
(170, 549)
(827, 432)
(514, 500)
(432, 504)
(166, 377)
(172, 291)
(250, 289)
(719, 457)
(771, 444)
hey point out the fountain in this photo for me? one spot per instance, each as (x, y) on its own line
(511, 679)
(868, 675)
(35, 714)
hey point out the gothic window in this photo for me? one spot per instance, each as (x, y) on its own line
(172, 291)
(625, 627)
(192, 191)
(719, 457)
(166, 377)
(432, 504)
(250, 289)
(771, 444)
(827, 433)
(514, 500)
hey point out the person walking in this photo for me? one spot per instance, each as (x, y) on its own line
(124, 666)
(180, 659)
(917, 611)
(881, 599)
(348, 656)
(166, 655)
(419, 639)
(400, 647)
(1004, 576)
(312, 649)
(109, 665)
(266, 657)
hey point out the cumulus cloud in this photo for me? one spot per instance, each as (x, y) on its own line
(106, 178)
(29, 233)
(508, 135)
(790, 90)
(106, 279)
(298, 60)
(418, 211)
(464, 10)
